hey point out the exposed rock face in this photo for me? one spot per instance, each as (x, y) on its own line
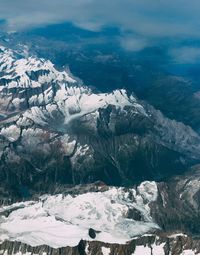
(55, 131)
(92, 233)
(172, 207)
(177, 205)
(25, 82)
(148, 245)
(64, 219)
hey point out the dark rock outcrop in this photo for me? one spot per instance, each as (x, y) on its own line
(92, 233)
(55, 131)
(148, 245)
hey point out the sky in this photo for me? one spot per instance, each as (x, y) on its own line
(142, 23)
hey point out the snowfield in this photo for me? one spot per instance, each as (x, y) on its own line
(61, 220)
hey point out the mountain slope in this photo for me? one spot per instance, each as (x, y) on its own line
(56, 133)
(151, 218)
(54, 130)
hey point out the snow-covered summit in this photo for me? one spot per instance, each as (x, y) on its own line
(27, 82)
(23, 79)
(19, 71)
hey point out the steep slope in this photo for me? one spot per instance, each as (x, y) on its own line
(63, 220)
(25, 82)
(54, 130)
(177, 244)
(56, 133)
(151, 219)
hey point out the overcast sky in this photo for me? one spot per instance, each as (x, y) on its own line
(141, 22)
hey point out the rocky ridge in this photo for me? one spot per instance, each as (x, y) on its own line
(56, 133)
(173, 208)
(178, 244)
(54, 130)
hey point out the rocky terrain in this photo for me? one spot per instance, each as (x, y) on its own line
(56, 133)
(54, 130)
(174, 244)
(149, 219)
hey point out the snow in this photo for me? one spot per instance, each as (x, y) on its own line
(50, 220)
(105, 251)
(177, 235)
(140, 250)
(148, 190)
(15, 66)
(158, 249)
(23, 122)
(85, 103)
(17, 101)
(68, 146)
(153, 249)
(147, 193)
(77, 105)
(69, 99)
(81, 150)
(189, 252)
(63, 220)
(44, 230)
(12, 133)
(146, 250)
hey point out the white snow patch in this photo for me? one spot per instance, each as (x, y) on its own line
(158, 249)
(105, 251)
(177, 235)
(14, 66)
(140, 250)
(78, 102)
(189, 252)
(146, 250)
(12, 132)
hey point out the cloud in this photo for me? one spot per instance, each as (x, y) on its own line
(149, 21)
(186, 55)
(133, 43)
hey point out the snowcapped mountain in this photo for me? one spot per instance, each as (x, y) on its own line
(36, 82)
(55, 130)
(29, 82)
(56, 133)
(25, 82)
(138, 220)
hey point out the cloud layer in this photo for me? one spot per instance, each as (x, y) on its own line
(146, 18)
(141, 22)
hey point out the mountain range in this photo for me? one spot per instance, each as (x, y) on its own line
(78, 160)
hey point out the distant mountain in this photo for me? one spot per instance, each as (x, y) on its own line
(101, 62)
